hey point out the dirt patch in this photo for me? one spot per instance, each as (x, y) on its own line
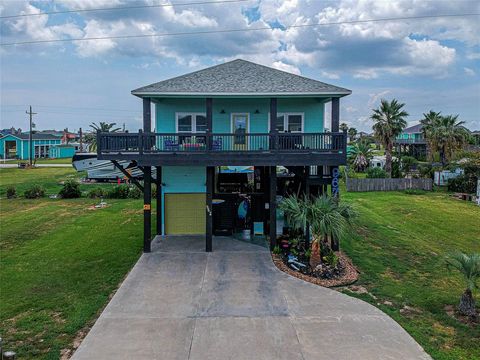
(349, 277)
(410, 311)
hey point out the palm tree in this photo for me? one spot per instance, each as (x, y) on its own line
(343, 127)
(361, 155)
(389, 123)
(352, 133)
(91, 137)
(429, 122)
(328, 219)
(444, 134)
(469, 267)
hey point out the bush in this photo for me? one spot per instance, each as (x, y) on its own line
(118, 192)
(96, 193)
(425, 170)
(466, 183)
(376, 173)
(11, 192)
(408, 162)
(70, 190)
(34, 192)
(135, 193)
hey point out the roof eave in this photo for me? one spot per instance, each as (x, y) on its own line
(143, 94)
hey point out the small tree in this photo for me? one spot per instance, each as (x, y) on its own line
(70, 190)
(469, 267)
(327, 217)
(361, 155)
(389, 122)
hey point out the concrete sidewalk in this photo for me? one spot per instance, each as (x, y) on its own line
(179, 302)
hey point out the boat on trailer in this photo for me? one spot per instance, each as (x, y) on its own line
(105, 170)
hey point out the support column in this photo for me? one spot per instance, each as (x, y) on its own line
(335, 114)
(147, 208)
(147, 182)
(209, 219)
(147, 115)
(209, 116)
(158, 199)
(273, 123)
(307, 195)
(273, 206)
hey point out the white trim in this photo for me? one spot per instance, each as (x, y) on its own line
(285, 120)
(21, 151)
(194, 121)
(251, 94)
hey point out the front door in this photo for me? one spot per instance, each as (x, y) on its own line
(240, 128)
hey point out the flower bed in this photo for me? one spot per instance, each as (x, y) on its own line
(347, 273)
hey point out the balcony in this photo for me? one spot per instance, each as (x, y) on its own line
(215, 149)
(410, 141)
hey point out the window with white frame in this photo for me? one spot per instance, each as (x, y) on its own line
(289, 122)
(191, 122)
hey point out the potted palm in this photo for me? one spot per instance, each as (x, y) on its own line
(469, 267)
(329, 221)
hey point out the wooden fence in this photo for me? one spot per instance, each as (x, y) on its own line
(357, 185)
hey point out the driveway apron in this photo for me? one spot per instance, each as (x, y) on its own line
(180, 302)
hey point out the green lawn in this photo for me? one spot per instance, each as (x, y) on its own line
(60, 261)
(399, 251)
(55, 161)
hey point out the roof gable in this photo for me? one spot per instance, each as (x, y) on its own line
(240, 77)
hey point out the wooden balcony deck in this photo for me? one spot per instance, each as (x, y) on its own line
(215, 149)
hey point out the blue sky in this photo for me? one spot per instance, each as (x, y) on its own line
(427, 64)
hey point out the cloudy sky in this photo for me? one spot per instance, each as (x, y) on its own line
(428, 64)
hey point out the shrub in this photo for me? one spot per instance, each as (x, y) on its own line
(276, 250)
(466, 183)
(96, 193)
(376, 173)
(135, 193)
(11, 192)
(118, 192)
(408, 162)
(331, 259)
(70, 190)
(34, 192)
(425, 170)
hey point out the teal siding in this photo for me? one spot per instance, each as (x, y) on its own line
(312, 108)
(10, 138)
(61, 152)
(182, 179)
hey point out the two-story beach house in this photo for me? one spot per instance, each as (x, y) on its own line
(228, 141)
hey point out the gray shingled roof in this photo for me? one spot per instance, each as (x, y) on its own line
(240, 77)
(25, 136)
(415, 129)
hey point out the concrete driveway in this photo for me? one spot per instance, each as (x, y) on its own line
(179, 302)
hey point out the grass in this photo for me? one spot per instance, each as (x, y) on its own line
(55, 161)
(400, 248)
(50, 178)
(60, 261)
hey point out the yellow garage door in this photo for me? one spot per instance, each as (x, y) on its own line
(185, 214)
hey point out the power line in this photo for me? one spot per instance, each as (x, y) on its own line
(236, 30)
(122, 8)
(69, 107)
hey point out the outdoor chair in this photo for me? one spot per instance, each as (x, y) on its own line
(170, 145)
(217, 144)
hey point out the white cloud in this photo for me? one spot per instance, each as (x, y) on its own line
(375, 97)
(286, 67)
(469, 72)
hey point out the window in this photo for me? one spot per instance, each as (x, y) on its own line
(191, 122)
(289, 122)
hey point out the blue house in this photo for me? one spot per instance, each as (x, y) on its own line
(63, 151)
(17, 146)
(235, 114)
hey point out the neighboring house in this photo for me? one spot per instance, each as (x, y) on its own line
(18, 146)
(412, 142)
(235, 114)
(63, 150)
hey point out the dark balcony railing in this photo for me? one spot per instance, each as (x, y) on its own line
(215, 142)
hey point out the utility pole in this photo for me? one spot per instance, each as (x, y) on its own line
(30, 137)
(81, 139)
